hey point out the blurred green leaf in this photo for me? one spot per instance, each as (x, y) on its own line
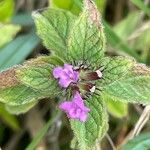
(17, 50)
(126, 27)
(143, 41)
(9, 119)
(64, 4)
(117, 108)
(6, 10)
(19, 109)
(142, 6)
(42, 132)
(75, 6)
(141, 142)
(23, 19)
(119, 44)
(7, 32)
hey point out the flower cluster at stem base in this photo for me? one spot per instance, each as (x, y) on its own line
(69, 77)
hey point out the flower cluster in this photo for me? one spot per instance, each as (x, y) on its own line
(69, 77)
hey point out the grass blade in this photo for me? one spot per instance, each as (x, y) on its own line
(140, 4)
(116, 42)
(17, 50)
(42, 132)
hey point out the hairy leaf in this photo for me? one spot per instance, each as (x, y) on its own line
(87, 41)
(133, 87)
(53, 27)
(95, 127)
(141, 142)
(38, 77)
(29, 82)
(7, 32)
(20, 94)
(114, 68)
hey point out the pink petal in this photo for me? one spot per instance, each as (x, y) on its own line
(86, 109)
(64, 82)
(76, 75)
(72, 114)
(57, 72)
(68, 67)
(83, 117)
(66, 106)
(77, 99)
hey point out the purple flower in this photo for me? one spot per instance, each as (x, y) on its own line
(75, 109)
(66, 75)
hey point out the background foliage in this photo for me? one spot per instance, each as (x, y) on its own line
(127, 28)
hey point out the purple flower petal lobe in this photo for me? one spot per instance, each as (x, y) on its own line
(75, 109)
(66, 75)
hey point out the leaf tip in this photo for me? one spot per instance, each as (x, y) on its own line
(94, 14)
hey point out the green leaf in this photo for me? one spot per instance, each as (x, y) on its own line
(142, 6)
(16, 51)
(19, 109)
(19, 90)
(38, 77)
(141, 142)
(92, 131)
(42, 132)
(6, 10)
(53, 27)
(9, 31)
(9, 119)
(20, 94)
(133, 87)
(117, 108)
(114, 68)
(87, 40)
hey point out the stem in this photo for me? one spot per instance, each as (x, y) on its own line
(110, 141)
(141, 122)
